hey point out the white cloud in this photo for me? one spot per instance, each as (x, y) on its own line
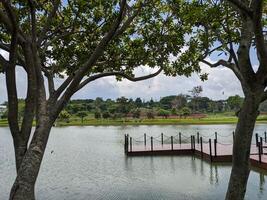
(221, 83)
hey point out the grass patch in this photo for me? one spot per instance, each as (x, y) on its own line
(210, 119)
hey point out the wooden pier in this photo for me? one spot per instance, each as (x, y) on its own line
(205, 147)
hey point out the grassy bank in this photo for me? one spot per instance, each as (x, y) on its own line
(211, 119)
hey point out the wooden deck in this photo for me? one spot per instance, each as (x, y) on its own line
(209, 150)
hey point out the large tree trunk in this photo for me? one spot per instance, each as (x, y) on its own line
(20, 148)
(23, 188)
(241, 150)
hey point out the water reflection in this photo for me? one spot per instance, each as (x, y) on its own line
(262, 182)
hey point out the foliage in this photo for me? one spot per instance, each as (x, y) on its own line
(97, 115)
(196, 91)
(82, 115)
(185, 111)
(164, 113)
(235, 102)
(179, 101)
(123, 107)
(166, 102)
(64, 116)
(136, 113)
(106, 115)
(150, 114)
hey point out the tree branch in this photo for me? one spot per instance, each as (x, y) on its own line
(227, 64)
(33, 20)
(9, 23)
(63, 86)
(50, 81)
(119, 74)
(47, 26)
(81, 72)
(242, 6)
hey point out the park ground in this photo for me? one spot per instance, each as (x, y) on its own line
(222, 118)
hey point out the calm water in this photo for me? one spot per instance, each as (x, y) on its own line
(89, 163)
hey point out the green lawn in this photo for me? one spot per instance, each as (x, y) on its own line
(210, 119)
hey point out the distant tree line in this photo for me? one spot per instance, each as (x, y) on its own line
(180, 105)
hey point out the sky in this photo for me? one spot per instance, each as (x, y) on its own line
(221, 84)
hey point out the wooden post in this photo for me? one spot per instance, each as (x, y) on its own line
(215, 147)
(191, 142)
(261, 143)
(259, 149)
(145, 139)
(180, 138)
(162, 139)
(233, 137)
(216, 136)
(127, 143)
(210, 150)
(172, 143)
(131, 144)
(194, 142)
(265, 137)
(201, 147)
(151, 143)
(257, 139)
(198, 137)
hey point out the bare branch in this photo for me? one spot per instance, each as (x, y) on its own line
(119, 74)
(218, 63)
(227, 64)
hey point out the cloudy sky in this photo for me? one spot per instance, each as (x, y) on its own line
(220, 84)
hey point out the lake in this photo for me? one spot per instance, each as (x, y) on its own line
(89, 163)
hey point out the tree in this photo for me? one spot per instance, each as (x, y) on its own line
(97, 114)
(166, 102)
(174, 111)
(164, 113)
(195, 92)
(228, 31)
(138, 102)
(123, 106)
(150, 114)
(136, 113)
(179, 101)
(64, 115)
(235, 102)
(185, 111)
(80, 41)
(106, 115)
(82, 115)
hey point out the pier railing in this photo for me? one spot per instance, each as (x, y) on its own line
(197, 141)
